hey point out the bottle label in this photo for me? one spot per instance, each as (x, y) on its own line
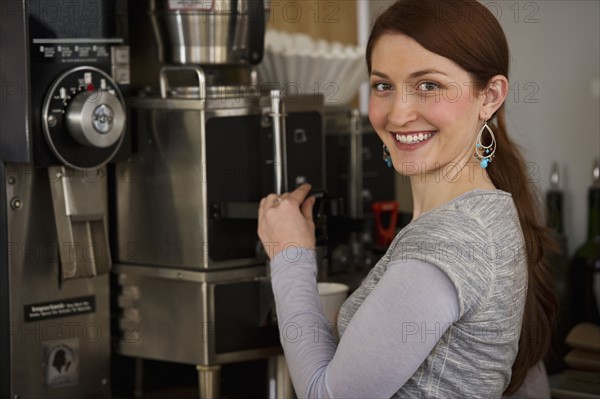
(192, 5)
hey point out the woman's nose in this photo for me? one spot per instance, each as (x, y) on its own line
(403, 110)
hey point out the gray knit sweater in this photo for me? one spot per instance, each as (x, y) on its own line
(477, 242)
(439, 316)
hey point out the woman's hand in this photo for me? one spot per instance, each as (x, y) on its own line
(286, 221)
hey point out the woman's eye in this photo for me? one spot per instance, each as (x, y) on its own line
(428, 86)
(381, 86)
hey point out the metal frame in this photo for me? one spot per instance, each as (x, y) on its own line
(33, 266)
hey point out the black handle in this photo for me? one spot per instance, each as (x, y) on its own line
(326, 205)
(256, 31)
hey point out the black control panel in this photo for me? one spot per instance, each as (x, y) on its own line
(83, 117)
(66, 42)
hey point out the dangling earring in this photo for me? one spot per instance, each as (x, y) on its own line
(386, 157)
(485, 153)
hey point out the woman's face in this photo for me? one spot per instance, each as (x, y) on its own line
(423, 106)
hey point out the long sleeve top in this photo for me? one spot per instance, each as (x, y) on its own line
(439, 316)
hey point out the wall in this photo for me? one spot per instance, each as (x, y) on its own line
(553, 105)
(332, 20)
(558, 55)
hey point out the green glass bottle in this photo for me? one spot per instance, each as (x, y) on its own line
(559, 263)
(555, 221)
(585, 265)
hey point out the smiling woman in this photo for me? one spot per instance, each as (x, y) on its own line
(425, 108)
(464, 41)
(461, 303)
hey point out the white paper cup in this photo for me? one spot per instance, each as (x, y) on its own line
(332, 297)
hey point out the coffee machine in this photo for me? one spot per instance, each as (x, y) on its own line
(209, 141)
(64, 68)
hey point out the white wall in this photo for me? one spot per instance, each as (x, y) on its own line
(560, 55)
(553, 109)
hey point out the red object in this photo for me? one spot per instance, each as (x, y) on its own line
(90, 87)
(385, 235)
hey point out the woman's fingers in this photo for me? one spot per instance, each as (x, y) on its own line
(307, 208)
(299, 194)
(285, 219)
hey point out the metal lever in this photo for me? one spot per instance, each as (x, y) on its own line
(79, 202)
(164, 84)
(279, 145)
(280, 382)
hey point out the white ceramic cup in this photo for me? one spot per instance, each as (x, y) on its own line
(332, 297)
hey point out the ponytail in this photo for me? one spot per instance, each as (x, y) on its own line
(508, 172)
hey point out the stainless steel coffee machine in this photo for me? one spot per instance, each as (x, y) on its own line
(63, 67)
(208, 143)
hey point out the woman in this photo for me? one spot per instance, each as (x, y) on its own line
(460, 305)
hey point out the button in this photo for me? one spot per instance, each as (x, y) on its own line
(51, 120)
(120, 54)
(102, 119)
(300, 136)
(121, 75)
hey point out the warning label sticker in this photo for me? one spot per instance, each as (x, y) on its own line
(61, 362)
(61, 308)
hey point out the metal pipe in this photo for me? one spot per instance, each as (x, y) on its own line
(209, 381)
(280, 382)
(356, 168)
(279, 145)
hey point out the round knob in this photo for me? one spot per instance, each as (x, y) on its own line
(96, 118)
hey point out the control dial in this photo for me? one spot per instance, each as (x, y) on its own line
(84, 118)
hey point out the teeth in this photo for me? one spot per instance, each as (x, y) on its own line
(412, 138)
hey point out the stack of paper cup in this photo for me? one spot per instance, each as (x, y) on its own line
(301, 65)
(332, 297)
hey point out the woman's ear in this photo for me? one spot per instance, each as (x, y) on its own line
(494, 95)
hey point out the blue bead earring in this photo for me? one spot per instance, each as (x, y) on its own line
(485, 153)
(386, 157)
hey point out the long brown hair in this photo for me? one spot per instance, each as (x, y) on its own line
(467, 33)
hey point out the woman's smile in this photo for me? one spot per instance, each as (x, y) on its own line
(413, 139)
